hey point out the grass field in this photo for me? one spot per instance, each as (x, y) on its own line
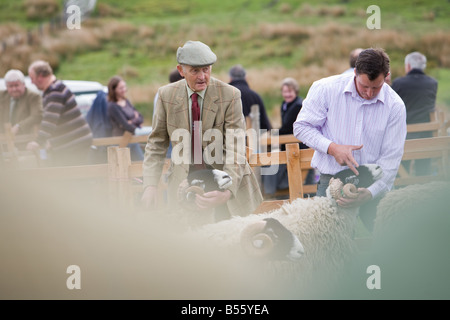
(272, 39)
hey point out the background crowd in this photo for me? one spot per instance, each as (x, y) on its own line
(66, 136)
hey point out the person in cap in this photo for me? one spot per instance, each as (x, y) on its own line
(215, 139)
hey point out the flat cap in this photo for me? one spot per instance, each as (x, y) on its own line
(195, 53)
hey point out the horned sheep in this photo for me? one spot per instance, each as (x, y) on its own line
(324, 230)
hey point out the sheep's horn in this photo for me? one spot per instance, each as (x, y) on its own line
(335, 188)
(349, 190)
(256, 243)
(192, 191)
(195, 189)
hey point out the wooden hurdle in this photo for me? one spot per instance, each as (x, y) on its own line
(435, 148)
(123, 176)
(11, 156)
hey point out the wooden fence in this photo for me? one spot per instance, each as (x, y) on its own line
(122, 176)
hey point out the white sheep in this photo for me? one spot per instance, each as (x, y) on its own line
(324, 230)
(398, 206)
(409, 247)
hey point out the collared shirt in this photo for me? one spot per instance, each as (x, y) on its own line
(201, 96)
(12, 106)
(333, 111)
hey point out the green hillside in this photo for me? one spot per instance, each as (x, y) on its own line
(272, 39)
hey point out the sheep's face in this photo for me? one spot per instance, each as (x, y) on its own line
(205, 180)
(375, 170)
(198, 183)
(222, 179)
(209, 179)
(269, 239)
(346, 179)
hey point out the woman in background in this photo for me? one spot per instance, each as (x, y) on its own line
(123, 115)
(290, 107)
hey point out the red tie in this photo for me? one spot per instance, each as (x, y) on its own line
(195, 108)
(196, 129)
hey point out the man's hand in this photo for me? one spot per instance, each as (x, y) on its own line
(149, 197)
(364, 195)
(33, 146)
(343, 155)
(15, 129)
(212, 199)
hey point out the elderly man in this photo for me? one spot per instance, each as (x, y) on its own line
(353, 119)
(418, 91)
(64, 131)
(19, 105)
(200, 105)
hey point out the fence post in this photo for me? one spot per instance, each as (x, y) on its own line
(120, 193)
(112, 176)
(254, 143)
(294, 171)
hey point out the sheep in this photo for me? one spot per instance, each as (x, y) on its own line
(398, 205)
(200, 181)
(346, 182)
(409, 245)
(206, 180)
(324, 230)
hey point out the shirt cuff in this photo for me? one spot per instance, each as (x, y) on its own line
(323, 145)
(377, 189)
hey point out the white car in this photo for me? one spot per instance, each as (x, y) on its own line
(85, 93)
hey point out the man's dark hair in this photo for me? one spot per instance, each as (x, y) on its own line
(372, 62)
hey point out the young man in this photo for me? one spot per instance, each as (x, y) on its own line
(353, 119)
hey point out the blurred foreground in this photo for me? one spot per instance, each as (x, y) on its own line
(45, 228)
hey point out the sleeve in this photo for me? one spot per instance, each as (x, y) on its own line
(392, 151)
(50, 119)
(157, 145)
(35, 106)
(119, 118)
(311, 118)
(291, 116)
(234, 132)
(137, 121)
(265, 122)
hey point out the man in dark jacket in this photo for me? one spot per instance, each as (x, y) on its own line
(416, 89)
(248, 96)
(418, 92)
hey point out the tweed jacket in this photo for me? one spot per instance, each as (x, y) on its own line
(28, 111)
(221, 113)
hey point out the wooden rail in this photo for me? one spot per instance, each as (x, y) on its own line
(120, 173)
(121, 141)
(435, 148)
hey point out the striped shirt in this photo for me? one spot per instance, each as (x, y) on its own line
(333, 111)
(62, 124)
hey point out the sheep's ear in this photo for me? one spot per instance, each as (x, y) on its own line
(255, 242)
